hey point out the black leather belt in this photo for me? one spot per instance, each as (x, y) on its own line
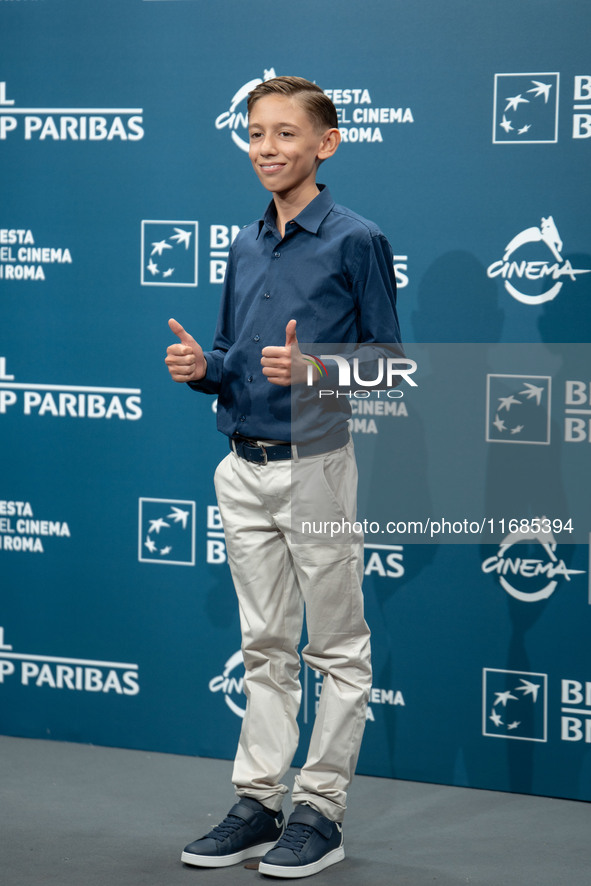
(259, 453)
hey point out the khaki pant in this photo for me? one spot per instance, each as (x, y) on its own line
(274, 578)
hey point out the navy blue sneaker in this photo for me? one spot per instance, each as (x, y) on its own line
(310, 843)
(247, 830)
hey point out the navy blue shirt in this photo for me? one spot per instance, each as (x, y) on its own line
(332, 272)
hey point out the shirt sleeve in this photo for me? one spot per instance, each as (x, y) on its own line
(224, 336)
(374, 291)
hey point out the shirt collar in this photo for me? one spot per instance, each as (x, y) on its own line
(310, 218)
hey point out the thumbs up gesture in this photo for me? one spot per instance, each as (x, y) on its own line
(284, 365)
(185, 361)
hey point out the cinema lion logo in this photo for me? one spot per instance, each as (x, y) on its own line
(528, 566)
(532, 261)
(231, 684)
(236, 117)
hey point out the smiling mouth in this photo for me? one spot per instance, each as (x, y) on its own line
(271, 167)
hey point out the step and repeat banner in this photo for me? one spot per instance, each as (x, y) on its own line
(466, 135)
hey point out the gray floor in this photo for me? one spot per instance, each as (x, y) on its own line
(76, 815)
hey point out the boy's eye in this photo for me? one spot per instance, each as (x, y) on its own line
(286, 133)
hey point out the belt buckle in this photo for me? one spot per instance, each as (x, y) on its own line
(253, 444)
(260, 445)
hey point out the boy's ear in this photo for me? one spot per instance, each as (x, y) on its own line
(330, 142)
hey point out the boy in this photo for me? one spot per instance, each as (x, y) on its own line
(318, 265)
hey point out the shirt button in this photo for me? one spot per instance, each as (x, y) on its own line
(249, 378)
(257, 338)
(276, 254)
(242, 418)
(267, 295)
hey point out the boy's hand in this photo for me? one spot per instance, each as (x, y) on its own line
(285, 365)
(185, 361)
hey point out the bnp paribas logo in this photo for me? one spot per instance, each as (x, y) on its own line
(166, 531)
(525, 109)
(169, 253)
(518, 408)
(514, 704)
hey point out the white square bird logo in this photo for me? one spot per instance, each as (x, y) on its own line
(166, 531)
(525, 109)
(518, 409)
(514, 704)
(169, 253)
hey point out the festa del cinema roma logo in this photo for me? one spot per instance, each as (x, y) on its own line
(526, 265)
(361, 121)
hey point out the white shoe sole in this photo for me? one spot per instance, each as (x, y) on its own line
(276, 870)
(224, 861)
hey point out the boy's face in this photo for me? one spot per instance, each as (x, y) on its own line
(286, 144)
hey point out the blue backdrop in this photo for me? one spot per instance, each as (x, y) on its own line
(466, 137)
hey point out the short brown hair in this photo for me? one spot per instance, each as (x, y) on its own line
(319, 107)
